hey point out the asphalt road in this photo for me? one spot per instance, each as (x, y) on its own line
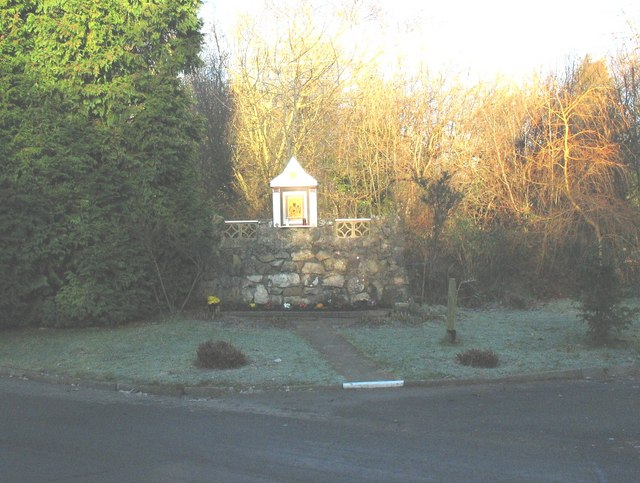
(554, 431)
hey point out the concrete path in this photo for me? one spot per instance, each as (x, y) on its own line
(322, 334)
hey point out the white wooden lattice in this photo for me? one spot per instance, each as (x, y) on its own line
(352, 227)
(241, 230)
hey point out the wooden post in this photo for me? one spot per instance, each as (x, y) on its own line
(452, 303)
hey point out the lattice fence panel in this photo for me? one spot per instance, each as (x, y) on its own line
(241, 230)
(354, 228)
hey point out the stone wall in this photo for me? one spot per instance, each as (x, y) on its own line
(335, 264)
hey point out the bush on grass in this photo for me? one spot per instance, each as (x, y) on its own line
(219, 355)
(478, 358)
(600, 308)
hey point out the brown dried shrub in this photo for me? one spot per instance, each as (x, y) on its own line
(478, 358)
(219, 355)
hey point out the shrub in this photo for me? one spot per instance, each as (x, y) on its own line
(600, 307)
(478, 358)
(219, 355)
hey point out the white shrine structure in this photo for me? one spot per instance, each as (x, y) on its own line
(295, 197)
(338, 263)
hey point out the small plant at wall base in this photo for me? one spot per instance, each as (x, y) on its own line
(599, 308)
(219, 355)
(213, 305)
(478, 358)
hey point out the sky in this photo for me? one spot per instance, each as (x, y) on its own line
(478, 39)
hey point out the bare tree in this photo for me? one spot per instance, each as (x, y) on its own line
(285, 91)
(580, 163)
(210, 87)
(627, 79)
(544, 160)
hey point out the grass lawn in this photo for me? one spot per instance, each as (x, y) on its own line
(164, 352)
(548, 338)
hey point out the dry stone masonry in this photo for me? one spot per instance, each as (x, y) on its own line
(339, 264)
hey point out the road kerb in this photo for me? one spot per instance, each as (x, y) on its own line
(372, 384)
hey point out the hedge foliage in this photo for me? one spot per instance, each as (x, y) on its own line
(101, 222)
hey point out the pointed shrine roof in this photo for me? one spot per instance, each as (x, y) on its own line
(293, 176)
